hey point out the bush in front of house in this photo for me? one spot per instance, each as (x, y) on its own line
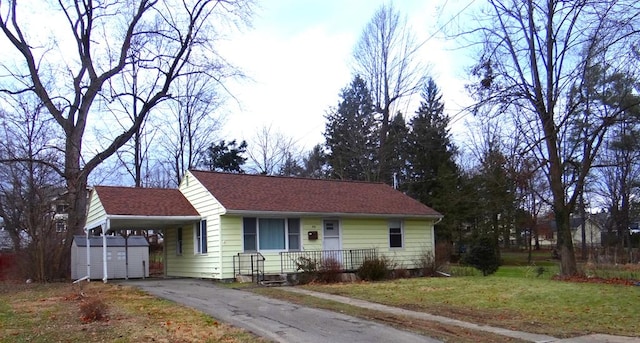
(483, 255)
(308, 268)
(330, 270)
(374, 269)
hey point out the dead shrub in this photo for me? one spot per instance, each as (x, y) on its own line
(330, 270)
(401, 273)
(93, 309)
(429, 264)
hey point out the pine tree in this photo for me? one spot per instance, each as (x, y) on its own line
(396, 149)
(433, 175)
(351, 135)
(226, 157)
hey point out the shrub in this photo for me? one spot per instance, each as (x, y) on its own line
(429, 263)
(93, 309)
(400, 273)
(483, 256)
(308, 268)
(330, 270)
(374, 269)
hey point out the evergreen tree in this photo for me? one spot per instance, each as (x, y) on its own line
(433, 175)
(315, 163)
(396, 149)
(351, 135)
(226, 157)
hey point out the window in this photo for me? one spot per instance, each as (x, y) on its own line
(250, 234)
(179, 242)
(395, 234)
(201, 238)
(294, 233)
(61, 226)
(62, 208)
(271, 234)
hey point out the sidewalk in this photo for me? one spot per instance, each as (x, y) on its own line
(531, 337)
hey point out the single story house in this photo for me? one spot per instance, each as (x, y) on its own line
(126, 257)
(220, 225)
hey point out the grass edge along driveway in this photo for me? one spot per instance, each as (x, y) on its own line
(530, 304)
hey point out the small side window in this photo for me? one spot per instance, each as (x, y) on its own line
(179, 242)
(395, 234)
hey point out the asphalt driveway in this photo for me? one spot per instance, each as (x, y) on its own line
(273, 319)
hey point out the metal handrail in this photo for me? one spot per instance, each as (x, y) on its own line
(249, 264)
(349, 259)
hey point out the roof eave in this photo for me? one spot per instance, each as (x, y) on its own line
(334, 214)
(130, 217)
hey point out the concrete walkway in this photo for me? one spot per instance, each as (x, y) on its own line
(596, 338)
(273, 319)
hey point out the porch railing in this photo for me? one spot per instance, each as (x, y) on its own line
(249, 264)
(349, 260)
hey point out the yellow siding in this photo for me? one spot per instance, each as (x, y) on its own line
(374, 233)
(356, 233)
(231, 243)
(188, 264)
(191, 264)
(96, 210)
(307, 225)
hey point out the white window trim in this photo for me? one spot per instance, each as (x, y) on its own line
(197, 237)
(286, 235)
(402, 234)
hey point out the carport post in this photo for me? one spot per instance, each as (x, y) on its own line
(88, 256)
(105, 228)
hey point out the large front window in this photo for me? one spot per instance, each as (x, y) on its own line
(271, 234)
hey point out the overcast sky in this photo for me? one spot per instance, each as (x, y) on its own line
(297, 56)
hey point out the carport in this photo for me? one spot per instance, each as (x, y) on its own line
(120, 210)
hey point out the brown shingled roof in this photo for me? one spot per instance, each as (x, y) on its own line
(244, 192)
(144, 201)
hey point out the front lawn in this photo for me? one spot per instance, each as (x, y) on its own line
(514, 298)
(51, 313)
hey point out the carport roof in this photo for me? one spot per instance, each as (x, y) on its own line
(154, 202)
(144, 208)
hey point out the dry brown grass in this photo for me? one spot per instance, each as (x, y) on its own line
(52, 313)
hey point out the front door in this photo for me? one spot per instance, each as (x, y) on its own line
(331, 235)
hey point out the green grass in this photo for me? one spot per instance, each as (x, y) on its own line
(443, 332)
(521, 258)
(513, 298)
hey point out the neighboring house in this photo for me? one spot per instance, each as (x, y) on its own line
(593, 231)
(6, 244)
(546, 232)
(216, 224)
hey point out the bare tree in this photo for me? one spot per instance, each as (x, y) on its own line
(533, 55)
(618, 179)
(191, 124)
(29, 189)
(386, 57)
(269, 150)
(79, 85)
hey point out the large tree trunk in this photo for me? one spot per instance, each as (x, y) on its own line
(568, 264)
